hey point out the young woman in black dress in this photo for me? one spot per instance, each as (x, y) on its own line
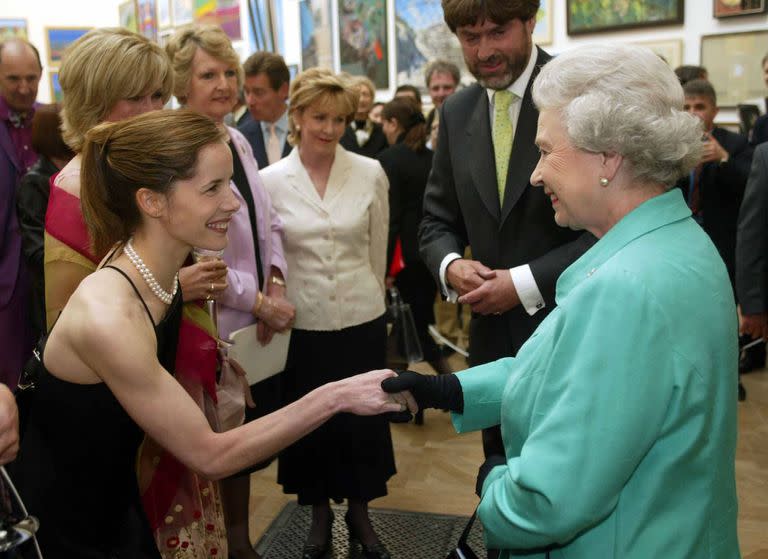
(153, 186)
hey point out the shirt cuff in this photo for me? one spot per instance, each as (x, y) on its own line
(449, 293)
(527, 290)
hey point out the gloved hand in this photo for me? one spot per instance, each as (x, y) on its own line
(443, 391)
(490, 463)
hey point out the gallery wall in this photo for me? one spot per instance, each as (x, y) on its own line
(679, 40)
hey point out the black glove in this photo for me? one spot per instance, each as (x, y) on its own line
(442, 391)
(490, 463)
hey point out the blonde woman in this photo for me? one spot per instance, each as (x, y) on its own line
(334, 208)
(363, 135)
(207, 79)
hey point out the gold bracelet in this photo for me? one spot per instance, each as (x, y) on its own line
(259, 303)
(277, 281)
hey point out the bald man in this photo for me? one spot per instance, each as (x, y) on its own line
(20, 71)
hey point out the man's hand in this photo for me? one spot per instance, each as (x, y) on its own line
(754, 325)
(464, 275)
(495, 296)
(713, 151)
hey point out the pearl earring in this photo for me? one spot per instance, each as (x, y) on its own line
(603, 182)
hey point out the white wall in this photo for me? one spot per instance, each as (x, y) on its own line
(698, 22)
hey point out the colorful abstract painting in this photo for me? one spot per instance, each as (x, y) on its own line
(225, 13)
(316, 34)
(362, 36)
(592, 16)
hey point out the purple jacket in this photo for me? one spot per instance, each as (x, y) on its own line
(239, 298)
(14, 340)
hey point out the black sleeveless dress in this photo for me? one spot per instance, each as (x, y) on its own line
(76, 470)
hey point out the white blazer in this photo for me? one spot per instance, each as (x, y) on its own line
(335, 246)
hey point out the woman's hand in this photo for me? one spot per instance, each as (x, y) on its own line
(203, 280)
(362, 395)
(276, 313)
(9, 426)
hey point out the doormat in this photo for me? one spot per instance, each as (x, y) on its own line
(407, 535)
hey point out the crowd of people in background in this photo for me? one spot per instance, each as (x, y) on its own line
(319, 196)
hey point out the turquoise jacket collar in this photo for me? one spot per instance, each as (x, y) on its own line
(652, 214)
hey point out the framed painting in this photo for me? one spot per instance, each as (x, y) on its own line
(164, 19)
(147, 18)
(128, 15)
(542, 33)
(670, 50)
(183, 12)
(224, 13)
(423, 36)
(362, 40)
(10, 28)
(263, 25)
(595, 16)
(729, 8)
(59, 38)
(734, 66)
(53, 81)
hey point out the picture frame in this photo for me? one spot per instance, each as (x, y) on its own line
(542, 33)
(670, 50)
(362, 40)
(55, 86)
(731, 8)
(127, 13)
(316, 34)
(183, 12)
(224, 13)
(733, 66)
(592, 16)
(59, 38)
(164, 18)
(147, 18)
(13, 28)
(423, 36)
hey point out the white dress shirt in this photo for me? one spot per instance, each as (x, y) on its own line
(522, 278)
(335, 246)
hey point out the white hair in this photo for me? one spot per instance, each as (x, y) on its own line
(623, 99)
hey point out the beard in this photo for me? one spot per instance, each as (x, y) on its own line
(512, 66)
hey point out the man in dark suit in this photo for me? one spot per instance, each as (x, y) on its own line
(266, 85)
(752, 251)
(715, 188)
(20, 71)
(479, 192)
(759, 133)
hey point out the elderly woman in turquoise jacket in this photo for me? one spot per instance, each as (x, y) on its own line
(619, 413)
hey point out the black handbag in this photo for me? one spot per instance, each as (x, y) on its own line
(462, 549)
(26, 389)
(403, 346)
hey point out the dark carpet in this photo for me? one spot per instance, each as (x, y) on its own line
(407, 535)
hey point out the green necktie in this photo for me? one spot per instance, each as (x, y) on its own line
(502, 137)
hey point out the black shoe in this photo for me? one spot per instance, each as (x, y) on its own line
(359, 549)
(742, 393)
(320, 551)
(753, 357)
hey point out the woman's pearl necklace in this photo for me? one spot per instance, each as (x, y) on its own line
(149, 278)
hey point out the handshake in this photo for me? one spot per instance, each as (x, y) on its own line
(442, 391)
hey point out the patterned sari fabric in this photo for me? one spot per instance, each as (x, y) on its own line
(184, 510)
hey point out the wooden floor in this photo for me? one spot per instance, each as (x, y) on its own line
(437, 469)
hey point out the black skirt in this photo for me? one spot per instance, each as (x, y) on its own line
(349, 456)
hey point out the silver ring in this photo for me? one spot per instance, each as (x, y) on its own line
(211, 289)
